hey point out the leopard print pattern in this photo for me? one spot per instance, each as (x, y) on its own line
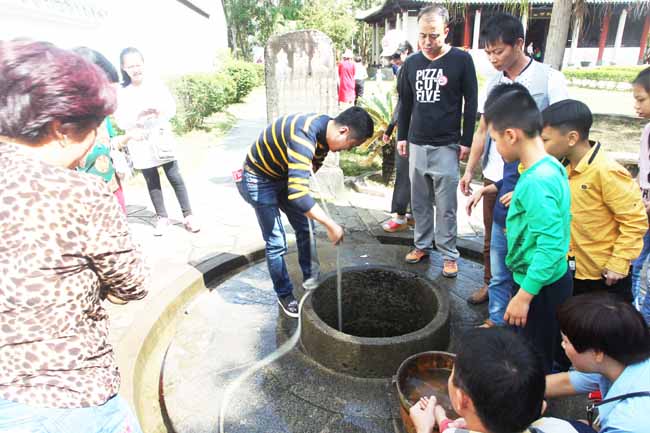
(65, 246)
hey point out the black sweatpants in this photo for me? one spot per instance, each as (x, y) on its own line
(402, 190)
(542, 328)
(622, 288)
(173, 173)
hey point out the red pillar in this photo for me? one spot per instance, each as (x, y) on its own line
(644, 38)
(603, 36)
(466, 29)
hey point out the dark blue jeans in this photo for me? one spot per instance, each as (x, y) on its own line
(268, 197)
(642, 302)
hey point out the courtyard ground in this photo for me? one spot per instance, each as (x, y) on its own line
(143, 331)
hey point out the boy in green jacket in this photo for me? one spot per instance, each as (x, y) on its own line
(538, 220)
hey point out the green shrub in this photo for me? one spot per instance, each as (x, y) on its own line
(199, 96)
(620, 74)
(245, 75)
(259, 68)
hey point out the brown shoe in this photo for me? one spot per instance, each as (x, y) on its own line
(450, 268)
(480, 296)
(415, 255)
(410, 220)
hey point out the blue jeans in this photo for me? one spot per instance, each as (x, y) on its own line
(637, 266)
(268, 197)
(501, 282)
(114, 416)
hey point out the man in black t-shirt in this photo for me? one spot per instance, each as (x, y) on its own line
(434, 84)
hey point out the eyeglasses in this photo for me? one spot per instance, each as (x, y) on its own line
(432, 36)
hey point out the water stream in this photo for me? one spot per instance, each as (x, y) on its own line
(339, 273)
(295, 338)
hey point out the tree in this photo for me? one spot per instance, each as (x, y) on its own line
(557, 33)
(362, 38)
(253, 22)
(335, 18)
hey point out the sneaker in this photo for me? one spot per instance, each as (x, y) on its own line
(162, 225)
(480, 296)
(191, 225)
(450, 269)
(289, 305)
(393, 226)
(415, 255)
(310, 283)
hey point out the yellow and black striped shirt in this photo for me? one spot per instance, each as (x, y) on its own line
(287, 150)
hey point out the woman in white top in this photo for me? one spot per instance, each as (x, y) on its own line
(145, 107)
(360, 75)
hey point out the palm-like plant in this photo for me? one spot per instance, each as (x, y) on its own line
(381, 111)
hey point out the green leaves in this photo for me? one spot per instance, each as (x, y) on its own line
(201, 95)
(380, 109)
(335, 18)
(620, 74)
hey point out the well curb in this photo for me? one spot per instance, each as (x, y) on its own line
(161, 311)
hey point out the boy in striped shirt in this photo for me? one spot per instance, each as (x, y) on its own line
(275, 178)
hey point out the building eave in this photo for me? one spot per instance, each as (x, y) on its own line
(378, 13)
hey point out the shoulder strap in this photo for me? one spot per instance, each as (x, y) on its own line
(623, 397)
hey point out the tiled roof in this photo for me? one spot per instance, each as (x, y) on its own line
(388, 5)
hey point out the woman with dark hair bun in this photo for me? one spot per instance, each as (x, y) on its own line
(608, 343)
(98, 160)
(145, 108)
(65, 247)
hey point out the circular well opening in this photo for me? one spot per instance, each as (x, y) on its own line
(376, 303)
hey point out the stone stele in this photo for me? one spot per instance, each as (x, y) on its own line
(301, 78)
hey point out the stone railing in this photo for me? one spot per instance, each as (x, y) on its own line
(629, 160)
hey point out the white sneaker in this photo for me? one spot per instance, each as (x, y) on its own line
(191, 225)
(162, 225)
(310, 283)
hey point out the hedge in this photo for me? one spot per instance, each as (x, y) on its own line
(619, 74)
(201, 95)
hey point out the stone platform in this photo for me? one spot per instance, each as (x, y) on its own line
(238, 323)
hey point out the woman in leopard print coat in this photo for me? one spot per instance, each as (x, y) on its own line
(65, 247)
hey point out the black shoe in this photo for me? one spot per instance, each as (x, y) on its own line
(289, 305)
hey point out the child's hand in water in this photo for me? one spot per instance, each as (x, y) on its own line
(422, 414)
(443, 422)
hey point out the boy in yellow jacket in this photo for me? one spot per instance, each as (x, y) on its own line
(608, 215)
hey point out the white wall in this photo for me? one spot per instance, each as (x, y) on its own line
(624, 56)
(173, 38)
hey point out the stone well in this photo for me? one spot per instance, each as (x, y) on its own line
(388, 315)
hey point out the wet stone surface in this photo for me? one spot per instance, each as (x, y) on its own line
(238, 322)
